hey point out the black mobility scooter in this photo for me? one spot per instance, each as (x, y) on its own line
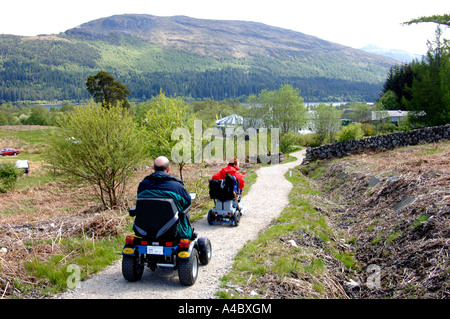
(156, 243)
(226, 196)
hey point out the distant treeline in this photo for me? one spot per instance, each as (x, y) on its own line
(30, 81)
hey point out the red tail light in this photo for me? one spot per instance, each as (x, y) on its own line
(129, 240)
(184, 243)
(169, 244)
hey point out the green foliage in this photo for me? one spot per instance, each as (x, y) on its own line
(326, 121)
(350, 132)
(430, 89)
(39, 115)
(282, 108)
(400, 77)
(3, 118)
(389, 101)
(422, 87)
(309, 140)
(97, 145)
(368, 129)
(443, 19)
(164, 116)
(90, 255)
(209, 111)
(386, 128)
(8, 177)
(107, 91)
(360, 112)
(287, 141)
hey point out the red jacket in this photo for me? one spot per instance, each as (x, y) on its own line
(232, 170)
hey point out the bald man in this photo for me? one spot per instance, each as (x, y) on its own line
(161, 184)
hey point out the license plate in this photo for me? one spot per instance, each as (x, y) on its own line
(155, 250)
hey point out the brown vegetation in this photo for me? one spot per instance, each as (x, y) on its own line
(395, 207)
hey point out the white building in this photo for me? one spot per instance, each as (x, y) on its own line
(394, 116)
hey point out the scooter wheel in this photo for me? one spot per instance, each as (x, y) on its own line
(210, 217)
(131, 269)
(188, 269)
(205, 250)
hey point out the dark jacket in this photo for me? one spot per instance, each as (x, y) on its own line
(163, 185)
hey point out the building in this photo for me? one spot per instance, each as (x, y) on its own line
(394, 116)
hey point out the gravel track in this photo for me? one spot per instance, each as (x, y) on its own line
(266, 199)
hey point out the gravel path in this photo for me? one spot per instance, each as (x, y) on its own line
(265, 200)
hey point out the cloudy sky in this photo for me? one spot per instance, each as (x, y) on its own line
(354, 23)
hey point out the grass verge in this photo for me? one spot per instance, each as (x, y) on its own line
(299, 255)
(78, 259)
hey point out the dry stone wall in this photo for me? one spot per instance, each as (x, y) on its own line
(379, 142)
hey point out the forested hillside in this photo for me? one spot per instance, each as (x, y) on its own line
(193, 58)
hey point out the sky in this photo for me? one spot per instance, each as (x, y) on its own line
(354, 23)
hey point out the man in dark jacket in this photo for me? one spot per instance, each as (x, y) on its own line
(161, 184)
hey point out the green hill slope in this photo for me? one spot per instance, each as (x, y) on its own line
(190, 57)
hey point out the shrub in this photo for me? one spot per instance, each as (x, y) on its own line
(351, 132)
(368, 129)
(287, 141)
(97, 145)
(8, 177)
(309, 140)
(386, 128)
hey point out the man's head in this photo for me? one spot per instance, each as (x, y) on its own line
(234, 161)
(161, 164)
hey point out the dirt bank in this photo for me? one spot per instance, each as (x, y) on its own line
(395, 208)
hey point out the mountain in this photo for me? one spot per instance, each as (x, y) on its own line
(194, 58)
(395, 54)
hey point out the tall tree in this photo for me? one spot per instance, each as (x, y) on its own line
(326, 121)
(104, 89)
(360, 112)
(430, 103)
(283, 108)
(165, 115)
(399, 78)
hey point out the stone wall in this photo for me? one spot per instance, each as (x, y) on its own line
(379, 142)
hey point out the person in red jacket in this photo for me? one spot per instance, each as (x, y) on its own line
(233, 169)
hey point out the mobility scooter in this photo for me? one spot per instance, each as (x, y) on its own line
(156, 243)
(226, 196)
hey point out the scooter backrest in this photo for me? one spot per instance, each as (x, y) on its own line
(222, 189)
(156, 216)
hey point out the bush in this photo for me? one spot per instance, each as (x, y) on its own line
(309, 140)
(351, 132)
(98, 145)
(386, 128)
(8, 177)
(368, 129)
(287, 141)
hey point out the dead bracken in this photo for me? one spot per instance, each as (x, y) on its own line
(395, 207)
